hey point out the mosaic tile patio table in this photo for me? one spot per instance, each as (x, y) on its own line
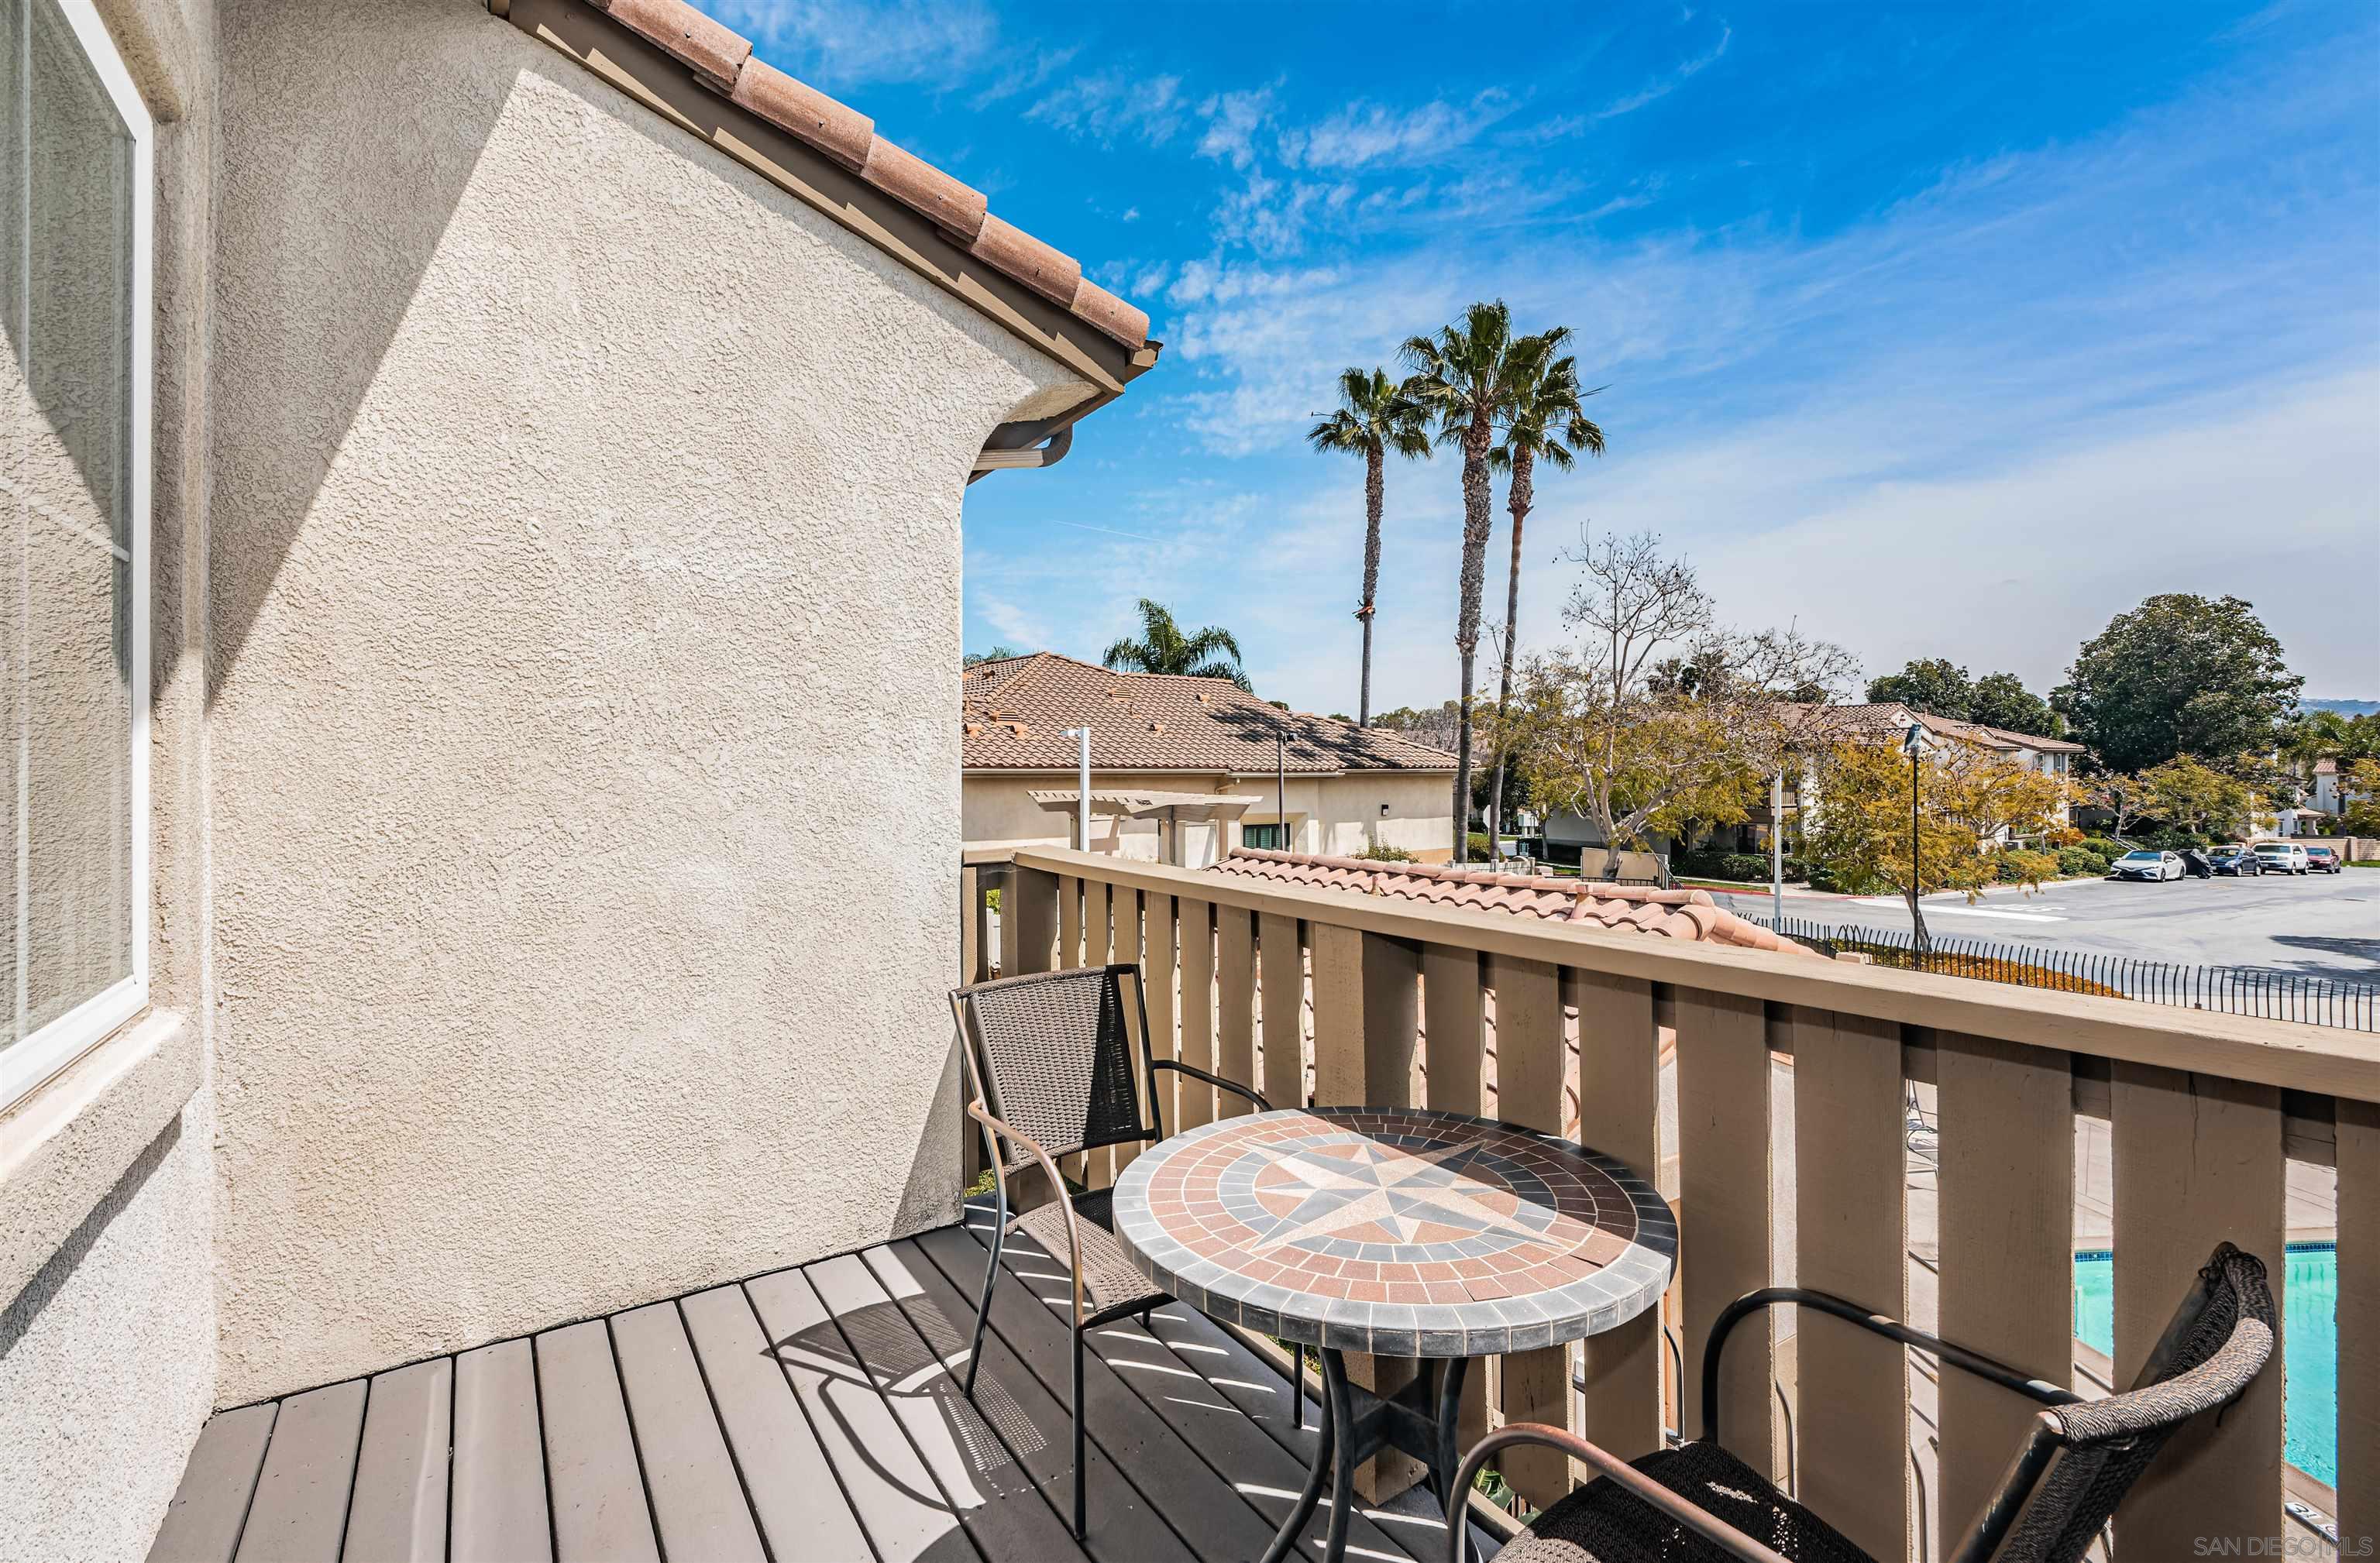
(1400, 1232)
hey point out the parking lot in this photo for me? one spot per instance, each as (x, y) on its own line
(2321, 925)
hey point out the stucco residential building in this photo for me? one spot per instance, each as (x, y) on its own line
(463, 458)
(1186, 770)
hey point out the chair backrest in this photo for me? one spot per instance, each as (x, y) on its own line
(1056, 1051)
(2219, 1340)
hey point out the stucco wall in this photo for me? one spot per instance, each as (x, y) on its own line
(1328, 813)
(106, 1364)
(585, 588)
(107, 1322)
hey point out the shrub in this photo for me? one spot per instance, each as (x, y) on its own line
(1383, 853)
(1481, 848)
(2168, 838)
(1749, 866)
(2019, 867)
(2074, 860)
(2105, 846)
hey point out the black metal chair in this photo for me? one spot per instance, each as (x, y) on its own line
(1050, 1073)
(1698, 1504)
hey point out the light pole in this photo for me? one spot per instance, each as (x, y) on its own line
(1777, 847)
(1914, 745)
(1082, 736)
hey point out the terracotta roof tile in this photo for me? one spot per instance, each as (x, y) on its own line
(1014, 713)
(712, 51)
(721, 59)
(806, 114)
(1687, 914)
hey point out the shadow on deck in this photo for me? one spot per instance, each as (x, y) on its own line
(809, 1413)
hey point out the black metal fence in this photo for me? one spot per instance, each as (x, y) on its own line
(2233, 990)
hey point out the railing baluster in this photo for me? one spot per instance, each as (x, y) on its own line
(1236, 971)
(1123, 947)
(1723, 1210)
(1618, 1114)
(2359, 1320)
(1195, 933)
(2005, 1225)
(1850, 1169)
(1284, 1012)
(2197, 1158)
(1530, 1063)
(1157, 955)
(1030, 922)
(1070, 922)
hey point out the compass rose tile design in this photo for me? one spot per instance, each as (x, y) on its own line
(1405, 1233)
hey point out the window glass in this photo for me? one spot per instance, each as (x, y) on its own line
(67, 817)
(1264, 837)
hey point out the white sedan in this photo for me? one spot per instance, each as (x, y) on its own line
(2147, 865)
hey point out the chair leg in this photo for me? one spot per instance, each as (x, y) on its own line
(983, 1304)
(1082, 1524)
(1297, 1385)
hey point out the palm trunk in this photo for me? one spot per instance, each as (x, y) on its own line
(1375, 458)
(1518, 498)
(1476, 521)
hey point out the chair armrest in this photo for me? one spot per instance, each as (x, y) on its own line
(1851, 1313)
(1049, 1167)
(1625, 1476)
(1214, 1080)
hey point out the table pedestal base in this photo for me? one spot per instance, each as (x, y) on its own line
(1418, 1419)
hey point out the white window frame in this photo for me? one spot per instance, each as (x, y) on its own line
(37, 1059)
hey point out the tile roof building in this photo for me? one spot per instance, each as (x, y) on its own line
(1346, 788)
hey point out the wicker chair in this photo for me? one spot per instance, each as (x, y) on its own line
(1050, 1071)
(1698, 1504)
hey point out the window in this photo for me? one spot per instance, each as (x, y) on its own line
(75, 171)
(1266, 838)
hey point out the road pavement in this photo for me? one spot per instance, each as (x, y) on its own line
(2318, 926)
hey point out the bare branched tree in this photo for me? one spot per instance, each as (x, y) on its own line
(1656, 712)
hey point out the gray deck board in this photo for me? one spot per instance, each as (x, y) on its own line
(1264, 1471)
(1001, 1506)
(1033, 1425)
(906, 1517)
(802, 1510)
(300, 1512)
(591, 1475)
(810, 1415)
(399, 1512)
(498, 1513)
(698, 1495)
(204, 1522)
(1196, 1500)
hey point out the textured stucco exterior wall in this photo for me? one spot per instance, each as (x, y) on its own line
(585, 593)
(106, 1364)
(107, 1346)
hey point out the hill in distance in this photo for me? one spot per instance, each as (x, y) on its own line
(2344, 707)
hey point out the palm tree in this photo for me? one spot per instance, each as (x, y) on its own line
(1458, 377)
(1374, 416)
(1543, 421)
(1163, 648)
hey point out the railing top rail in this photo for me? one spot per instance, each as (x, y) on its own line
(2236, 1047)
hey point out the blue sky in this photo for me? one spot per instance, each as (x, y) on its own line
(1939, 331)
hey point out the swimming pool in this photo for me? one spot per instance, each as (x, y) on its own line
(2309, 1341)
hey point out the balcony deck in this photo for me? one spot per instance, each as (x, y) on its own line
(807, 1413)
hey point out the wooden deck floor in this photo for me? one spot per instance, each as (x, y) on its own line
(809, 1414)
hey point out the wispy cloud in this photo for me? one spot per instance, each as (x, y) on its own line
(1363, 134)
(1113, 105)
(1232, 120)
(1662, 87)
(844, 43)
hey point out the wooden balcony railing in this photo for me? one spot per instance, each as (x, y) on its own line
(1789, 1161)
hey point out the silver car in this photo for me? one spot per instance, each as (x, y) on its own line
(2147, 864)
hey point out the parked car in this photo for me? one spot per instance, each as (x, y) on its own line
(2281, 857)
(2147, 864)
(2234, 858)
(2324, 860)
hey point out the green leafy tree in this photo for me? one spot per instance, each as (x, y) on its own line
(1163, 648)
(997, 654)
(1374, 418)
(2002, 701)
(1935, 685)
(2179, 675)
(1543, 422)
(1462, 377)
(2359, 790)
(2195, 796)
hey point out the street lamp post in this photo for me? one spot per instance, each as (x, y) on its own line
(1914, 745)
(1082, 736)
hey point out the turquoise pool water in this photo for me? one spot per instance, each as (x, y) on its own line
(2309, 1340)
